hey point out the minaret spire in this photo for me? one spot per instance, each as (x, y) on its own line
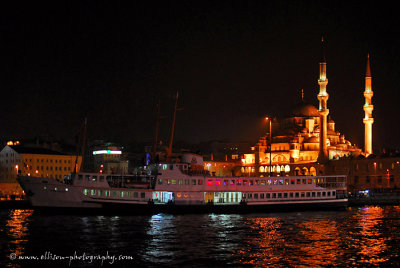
(323, 110)
(368, 108)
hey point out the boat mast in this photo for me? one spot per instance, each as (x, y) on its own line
(84, 143)
(82, 149)
(156, 130)
(171, 137)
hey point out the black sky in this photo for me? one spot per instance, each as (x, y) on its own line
(233, 62)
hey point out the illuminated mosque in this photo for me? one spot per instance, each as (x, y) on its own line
(306, 138)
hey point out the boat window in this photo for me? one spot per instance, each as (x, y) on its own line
(87, 177)
(187, 182)
(275, 182)
(319, 194)
(107, 193)
(209, 182)
(250, 196)
(268, 195)
(200, 182)
(274, 195)
(292, 181)
(142, 195)
(313, 194)
(284, 195)
(114, 194)
(309, 181)
(329, 193)
(257, 182)
(164, 167)
(92, 192)
(135, 194)
(297, 195)
(173, 181)
(280, 182)
(94, 178)
(291, 195)
(159, 181)
(99, 192)
(279, 195)
(323, 194)
(239, 182)
(180, 181)
(194, 182)
(262, 182)
(80, 177)
(122, 194)
(243, 195)
(250, 182)
(226, 182)
(302, 195)
(333, 193)
(261, 196)
(255, 196)
(298, 181)
(304, 181)
(308, 194)
(232, 182)
(286, 181)
(218, 182)
(101, 178)
(244, 182)
(171, 167)
(128, 194)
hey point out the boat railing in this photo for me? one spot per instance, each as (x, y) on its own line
(195, 172)
(330, 185)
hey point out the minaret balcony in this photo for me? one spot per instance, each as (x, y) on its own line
(369, 120)
(368, 108)
(368, 94)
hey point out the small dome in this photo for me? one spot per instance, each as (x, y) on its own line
(304, 109)
(312, 139)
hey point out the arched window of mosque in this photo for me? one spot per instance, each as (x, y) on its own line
(282, 168)
(242, 169)
(261, 169)
(305, 171)
(287, 168)
(313, 171)
(392, 166)
(380, 165)
(356, 166)
(278, 169)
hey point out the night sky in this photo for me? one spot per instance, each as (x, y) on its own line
(232, 62)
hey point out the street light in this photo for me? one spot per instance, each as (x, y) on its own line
(270, 144)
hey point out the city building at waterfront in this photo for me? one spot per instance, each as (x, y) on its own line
(35, 162)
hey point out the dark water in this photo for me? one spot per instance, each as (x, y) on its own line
(368, 236)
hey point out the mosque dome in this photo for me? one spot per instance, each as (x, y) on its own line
(304, 109)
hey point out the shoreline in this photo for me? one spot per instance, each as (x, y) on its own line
(353, 202)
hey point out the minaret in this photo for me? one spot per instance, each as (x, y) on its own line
(368, 108)
(323, 110)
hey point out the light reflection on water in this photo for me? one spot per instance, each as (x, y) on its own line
(366, 236)
(16, 228)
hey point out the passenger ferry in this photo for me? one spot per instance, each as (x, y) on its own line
(184, 186)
